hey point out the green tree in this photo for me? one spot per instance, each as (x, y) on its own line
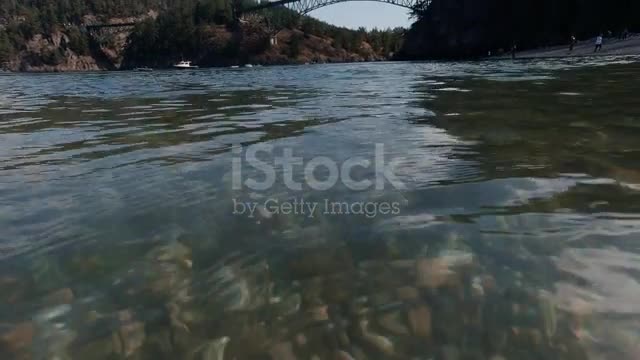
(294, 45)
(78, 41)
(6, 48)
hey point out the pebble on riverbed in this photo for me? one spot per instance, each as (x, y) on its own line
(130, 335)
(419, 317)
(17, 340)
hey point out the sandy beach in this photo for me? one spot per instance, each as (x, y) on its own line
(611, 46)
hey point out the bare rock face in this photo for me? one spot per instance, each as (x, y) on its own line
(50, 54)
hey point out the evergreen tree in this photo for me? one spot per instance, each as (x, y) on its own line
(6, 49)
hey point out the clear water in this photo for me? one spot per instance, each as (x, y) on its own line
(516, 235)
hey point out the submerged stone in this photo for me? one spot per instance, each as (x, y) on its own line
(419, 318)
(548, 311)
(376, 341)
(129, 338)
(214, 350)
(282, 351)
(343, 355)
(59, 297)
(391, 322)
(408, 293)
(18, 337)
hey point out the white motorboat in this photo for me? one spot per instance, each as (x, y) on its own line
(185, 65)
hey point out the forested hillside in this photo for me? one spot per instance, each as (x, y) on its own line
(467, 28)
(50, 35)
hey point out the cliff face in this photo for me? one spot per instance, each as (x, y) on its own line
(294, 47)
(220, 46)
(50, 53)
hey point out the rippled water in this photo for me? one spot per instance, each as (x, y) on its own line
(517, 234)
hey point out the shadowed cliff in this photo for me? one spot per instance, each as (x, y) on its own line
(473, 28)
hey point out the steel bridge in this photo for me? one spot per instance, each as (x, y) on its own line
(303, 7)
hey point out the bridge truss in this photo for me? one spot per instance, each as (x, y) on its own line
(303, 7)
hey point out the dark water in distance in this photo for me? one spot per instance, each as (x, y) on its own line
(517, 235)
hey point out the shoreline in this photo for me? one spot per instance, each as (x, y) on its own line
(611, 47)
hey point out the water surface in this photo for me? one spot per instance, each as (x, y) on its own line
(516, 236)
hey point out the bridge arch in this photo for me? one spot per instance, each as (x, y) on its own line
(304, 7)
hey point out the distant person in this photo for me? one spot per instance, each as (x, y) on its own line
(625, 34)
(514, 48)
(598, 43)
(572, 42)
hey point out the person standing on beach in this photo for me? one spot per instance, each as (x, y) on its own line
(514, 47)
(598, 43)
(572, 42)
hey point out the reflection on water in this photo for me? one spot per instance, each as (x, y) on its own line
(517, 235)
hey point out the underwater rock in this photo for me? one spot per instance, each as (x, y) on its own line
(52, 339)
(343, 337)
(358, 353)
(282, 351)
(408, 293)
(12, 289)
(319, 313)
(287, 306)
(239, 287)
(391, 322)
(301, 340)
(59, 297)
(17, 338)
(100, 349)
(342, 355)
(402, 264)
(169, 269)
(419, 318)
(212, 350)
(130, 336)
(160, 344)
(449, 352)
(376, 341)
(321, 261)
(338, 288)
(443, 270)
(488, 283)
(548, 311)
(477, 289)
(434, 273)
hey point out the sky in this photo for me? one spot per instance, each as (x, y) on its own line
(355, 14)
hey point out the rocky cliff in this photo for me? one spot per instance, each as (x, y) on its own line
(50, 53)
(57, 51)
